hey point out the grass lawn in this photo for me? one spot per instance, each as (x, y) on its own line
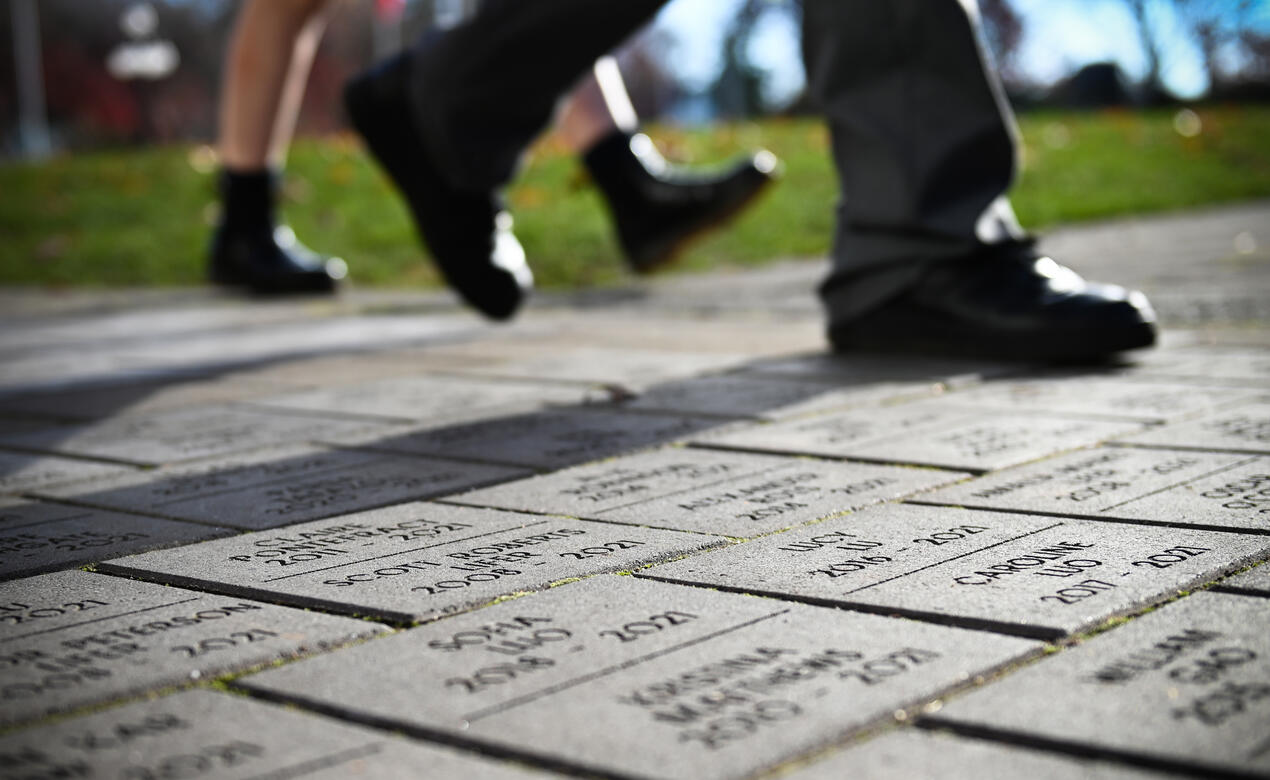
(141, 217)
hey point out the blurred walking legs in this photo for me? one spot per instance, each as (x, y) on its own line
(927, 257)
(655, 208)
(270, 53)
(923, 140)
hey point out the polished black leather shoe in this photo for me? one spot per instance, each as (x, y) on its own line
(1005, 302)
(271, 262)
(251, 252)
(658, 208)
(468, 232)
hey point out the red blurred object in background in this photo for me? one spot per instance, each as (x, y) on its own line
(389, 10)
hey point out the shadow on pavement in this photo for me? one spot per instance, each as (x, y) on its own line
(307, 476)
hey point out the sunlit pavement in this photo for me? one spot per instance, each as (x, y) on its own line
(647, 531)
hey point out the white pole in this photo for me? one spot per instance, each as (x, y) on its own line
(33, 129)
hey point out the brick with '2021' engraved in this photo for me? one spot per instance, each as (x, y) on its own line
(1188, 684)
(1037, 576)
(73, 639)
(731, 493)
(409, 562)
(38, 537)
(209, 734)
(284, 486)
(626, 677)
(1215, 490)
(930, 432)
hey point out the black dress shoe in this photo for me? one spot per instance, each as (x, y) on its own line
(659, 208)
(250, 251)
(271, 262)
(1005, 302)
(468, 232)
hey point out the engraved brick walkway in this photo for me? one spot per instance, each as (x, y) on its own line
(643, 532)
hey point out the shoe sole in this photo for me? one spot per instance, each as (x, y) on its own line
(319, 285)
(876, 334)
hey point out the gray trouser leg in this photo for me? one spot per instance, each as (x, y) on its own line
(922, 138)
(483, 90)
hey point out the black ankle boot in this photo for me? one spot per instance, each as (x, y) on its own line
(658, 208)
(250, 250)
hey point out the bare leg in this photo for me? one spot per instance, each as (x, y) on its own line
(303, 52)
(598, 106)
(266, 67)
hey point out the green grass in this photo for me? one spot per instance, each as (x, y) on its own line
(141, 217)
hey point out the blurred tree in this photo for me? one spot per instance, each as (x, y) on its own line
(1152, 86)
(1003, 32)
(1206, 28)
(1217, 27)
(737, 91)
(1222, 30)
(1252, 81)
(744, 86)
(1257, 46)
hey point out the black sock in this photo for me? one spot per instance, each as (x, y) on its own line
(247, 200)
(618, 172)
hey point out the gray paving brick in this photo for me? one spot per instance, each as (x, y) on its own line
(1037, 576)
(1243, 428)
(909, 754)
(154, 395)
(1234, 498)
(37, 537)
(330, 369)
(72, 638)
(188, 434)
(1240, 367)
(645, 679)
(664, 349)
(730, 493)
(1145, 400)
(1185, 684)
(632, 367)
(280, 487)
(21, 471)
(759, 395)
(433, 398)
(1158, 486)
(202, 732)
(306, 336)
(547, 439)
(680, 331)
(1256, 581)
(881, 369)
(130, 324)
(65, 368)
(12, 426)
(409, 562)
(924, 433)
